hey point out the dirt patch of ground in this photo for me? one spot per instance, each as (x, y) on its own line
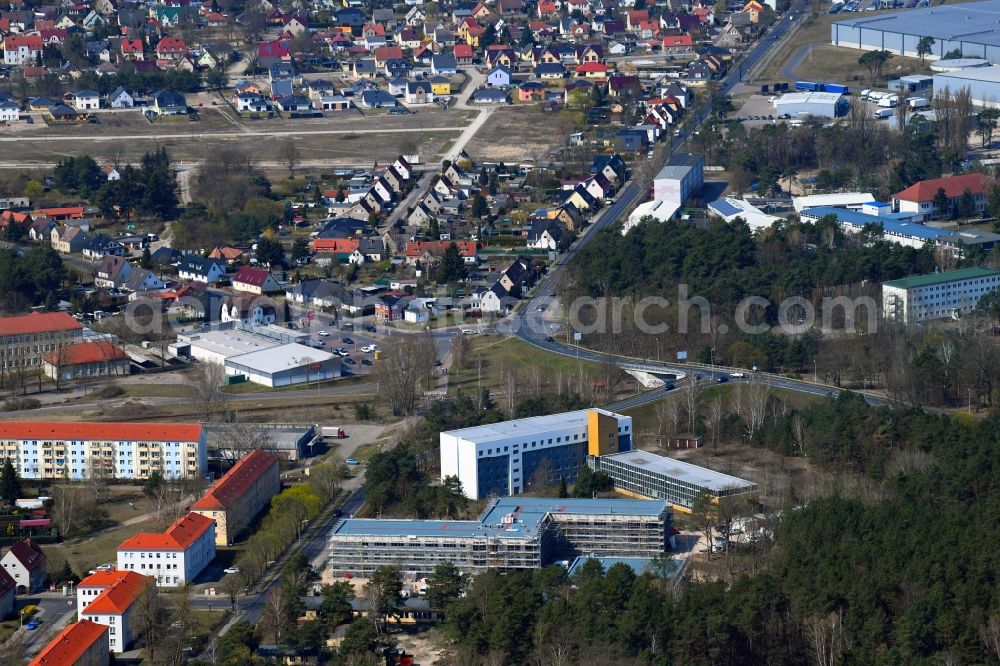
(516, 132)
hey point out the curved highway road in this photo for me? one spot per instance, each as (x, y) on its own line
(529, 324)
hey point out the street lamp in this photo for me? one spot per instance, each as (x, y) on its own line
(21, 616)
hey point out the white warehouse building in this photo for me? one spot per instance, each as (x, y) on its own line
(938, 296)
(503, 458)
(818, 104)
(285, 365)
(983, 84)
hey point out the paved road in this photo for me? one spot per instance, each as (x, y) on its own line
(474, 81)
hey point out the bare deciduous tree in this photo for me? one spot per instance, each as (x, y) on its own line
(826, 637)
(403, 365)
(238, 439)
(207, 383)
(691, 395)
(276, 615)
(713, 417)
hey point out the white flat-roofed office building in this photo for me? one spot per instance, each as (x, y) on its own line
(938, 296)
(983, 84)
(644, 474)
(511, 533)
(285, 365)
(678, 180)
(502, 458)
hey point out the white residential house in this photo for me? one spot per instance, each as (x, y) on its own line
(121, 99)
(173, 557)
(248, 310)
(25, 562)
(200, 269)
(86, 100)
(108, 598)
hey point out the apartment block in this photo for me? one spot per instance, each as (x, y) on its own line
(82, 643)
(950, 294)
(173, 557)
(72, 450)
(108, 598)
(240, 495)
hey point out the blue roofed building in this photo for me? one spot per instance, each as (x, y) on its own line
(896, 227)
(511, 533)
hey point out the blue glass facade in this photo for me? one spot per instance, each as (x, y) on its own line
(564, 462)
(494, 476)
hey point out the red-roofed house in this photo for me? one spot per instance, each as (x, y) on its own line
(8, 593)
(101, 358)
(240, 495)
(108, 598)
(255, 281)
(175, 556)
(592, 70)
(25, 562)
(919, 197)
(171, 48)
(131, 49)
(385, 53)
(415, 250)
(83, 643)
(21, 49)
(177, 450)
(463, 54)
(677, 43)
(25, 339)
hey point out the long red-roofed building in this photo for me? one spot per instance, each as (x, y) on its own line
(99, 358)
(25, 339)
(68, 449)
(173, 557)
(919, 197)
(83, 643)
(108, 598)
(240, 495)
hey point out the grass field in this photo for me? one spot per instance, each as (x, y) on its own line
(158, 390)
(826, 62)
(498, 352)
(84, 554)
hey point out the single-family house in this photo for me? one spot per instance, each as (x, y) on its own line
(25, 562)
(200, 269)
(255, 281)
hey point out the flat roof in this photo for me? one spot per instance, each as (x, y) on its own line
(680, 470)
(858, 219)
(527, 513)
(806, 97)
(228, 343)
(835, 199)
(674, 172)
(968, 22)
(941, 278)
(527, 427)
(281, 357)
(989, 74)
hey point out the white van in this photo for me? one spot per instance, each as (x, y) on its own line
(884, 113)
(889, 101)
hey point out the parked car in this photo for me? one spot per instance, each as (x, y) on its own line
(347, 341)
(231, 570)
(368, 349)
(108, 566)
(349, 361)
(352, 461)
(323, 333)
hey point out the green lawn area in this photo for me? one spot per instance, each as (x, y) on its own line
(496, 353)
(250, 387)
(84, 554)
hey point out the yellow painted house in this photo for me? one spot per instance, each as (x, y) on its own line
(440, 85)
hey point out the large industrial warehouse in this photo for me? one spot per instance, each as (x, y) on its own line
(971, 28)
(818, 104)
(983, 83)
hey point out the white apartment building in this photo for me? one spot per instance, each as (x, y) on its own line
(938, 296)
(51, 450)
(503, 458)
(108, 598)
(25, 339)
(173, 557)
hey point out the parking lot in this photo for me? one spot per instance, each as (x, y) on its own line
(875, 5)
